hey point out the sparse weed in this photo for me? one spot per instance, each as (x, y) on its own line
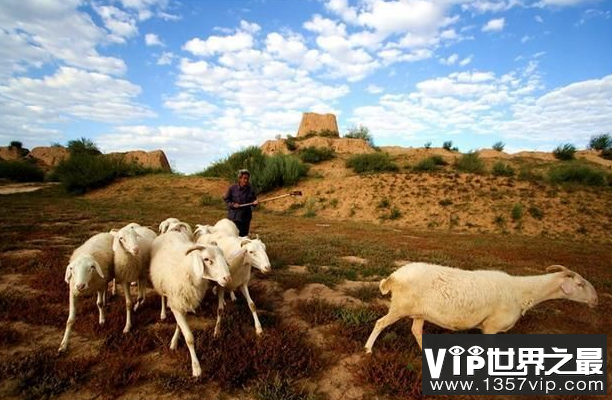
(517, 211)
(471, 163)
(565, 152)
(500, 168)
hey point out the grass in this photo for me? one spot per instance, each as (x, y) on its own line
(369, 163)
(577, 173)
(500, 168)
(470, 163)
(21, 171)
(430, 164)
(315, 155)
(565, 152)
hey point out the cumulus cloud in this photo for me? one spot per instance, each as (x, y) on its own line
(219, 44)
(494, 25)
(166, 58)
(121, 24)
(373, 89)
(466, 60)
(152, 39)
(451, 60)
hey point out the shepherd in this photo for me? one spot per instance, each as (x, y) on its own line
(241, 199)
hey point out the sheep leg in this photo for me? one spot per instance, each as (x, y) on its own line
(142, 291)
(245, 291)
(100, 304)
(182, 323)
(220, 308)
(162, 315)
(417, 331)
(175, 338)
(69, 323)
(113, 290)
(381, 324)
(128, 307)
(232, 296)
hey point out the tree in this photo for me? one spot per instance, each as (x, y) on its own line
(83, 146)
(361, 132)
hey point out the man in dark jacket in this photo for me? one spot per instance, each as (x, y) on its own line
(237, 194)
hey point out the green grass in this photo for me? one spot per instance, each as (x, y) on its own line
(500, 168)
(565, 152)
(20, 171)
(375, 162)
(430, 164)
(577, 173)
(315, 155)
(471, 163)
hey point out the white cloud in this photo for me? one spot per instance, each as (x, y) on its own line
(288, 49)
(325, 26)
(451, 60)
(219, 44)
(373, 89)
(186, 105)
(592, 14)
(166, 58)
(466, 60)
(561, 3)
(539, 19)
(494, 25)
(152, 39)
(121, 24)
(526, 38)
(417, 16)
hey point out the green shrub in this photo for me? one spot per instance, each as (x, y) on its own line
(577, 173)
(267, 172)
(565, 152)
(360, 132)
(21, 171)
(427, 145)
(291, 143)
(327, 133)
(529, 174)
(376, 162)
(517, 211)
(447, 145)
(384, 203)
(432, 163)
(82, 172)
(471, 163)
(315, 155)
(607, 154)
(500, 168)
(17, 144)
(499, 146)
(535, 212)
(83, 146)
(601, 142)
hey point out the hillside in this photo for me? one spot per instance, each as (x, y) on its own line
(445, 200)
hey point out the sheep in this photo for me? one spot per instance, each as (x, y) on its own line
(456, 299)
(201, 230)
(180, 271)
(132, 255)
(227, 226)
(183, 228)
(241, 254)
(163, 226)
(89, 270)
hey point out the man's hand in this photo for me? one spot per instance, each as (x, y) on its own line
(235, 205)
(255, 202)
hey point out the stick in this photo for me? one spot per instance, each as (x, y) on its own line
(293, 193)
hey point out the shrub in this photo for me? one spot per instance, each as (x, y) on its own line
(535, 212)
(529, 174)
(499, 146)
(517, 211)
(447, 145)
(384, 203)
(19, 147)
(601, 142)
(427, 145)
(327, 133)
(360, 132)
(21, 171)
(432, 163)
(83, 146)
(376, 162)
(471, 163)
(565, 152)
(607, 154)
(576, 173)
(445, 202)
(16, 144)
(291, 143)
(500, 168)
(315, 155)
(82, 172)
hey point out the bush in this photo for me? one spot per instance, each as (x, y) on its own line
(16, 144)
(607, 154)
(267, 172)
(21, 171)
(601, 142)
(517, 211)
(499, 146)
(500, 168)
(83, 146)
(447, 145)
(315, 155)
(376, 162)
(470, 163)
(565, 152)
(535, 212)
(360, 132)
(82, 172)
(427, 145)
(432, 163)
(291, 143)
(576, 173)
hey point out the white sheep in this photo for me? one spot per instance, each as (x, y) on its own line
(132, 255)
(242, 253)
(89, 270)
(163, 226)
(457, 299)
(227, 226)
(182, 227)
(201, 230)
(180, 271)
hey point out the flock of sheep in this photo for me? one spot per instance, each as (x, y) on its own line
(181, 263)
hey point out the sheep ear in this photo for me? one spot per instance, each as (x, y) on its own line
(213, 243)
(257, 236)
(568, 287)
(68, 274)
(244, 242)
(116, 243)
(197, 264)
(113, 232)
(99, 270)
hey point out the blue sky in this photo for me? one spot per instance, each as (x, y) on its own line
(202, 79)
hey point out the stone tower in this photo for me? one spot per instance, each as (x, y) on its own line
(313, 122)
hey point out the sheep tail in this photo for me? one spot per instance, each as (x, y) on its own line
(385, 285)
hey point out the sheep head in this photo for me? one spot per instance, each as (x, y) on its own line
(574, 287)
(256, 252)
(80, 272)
(126, 237)
(208, 263)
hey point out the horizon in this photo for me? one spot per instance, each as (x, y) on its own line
(202, 80)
